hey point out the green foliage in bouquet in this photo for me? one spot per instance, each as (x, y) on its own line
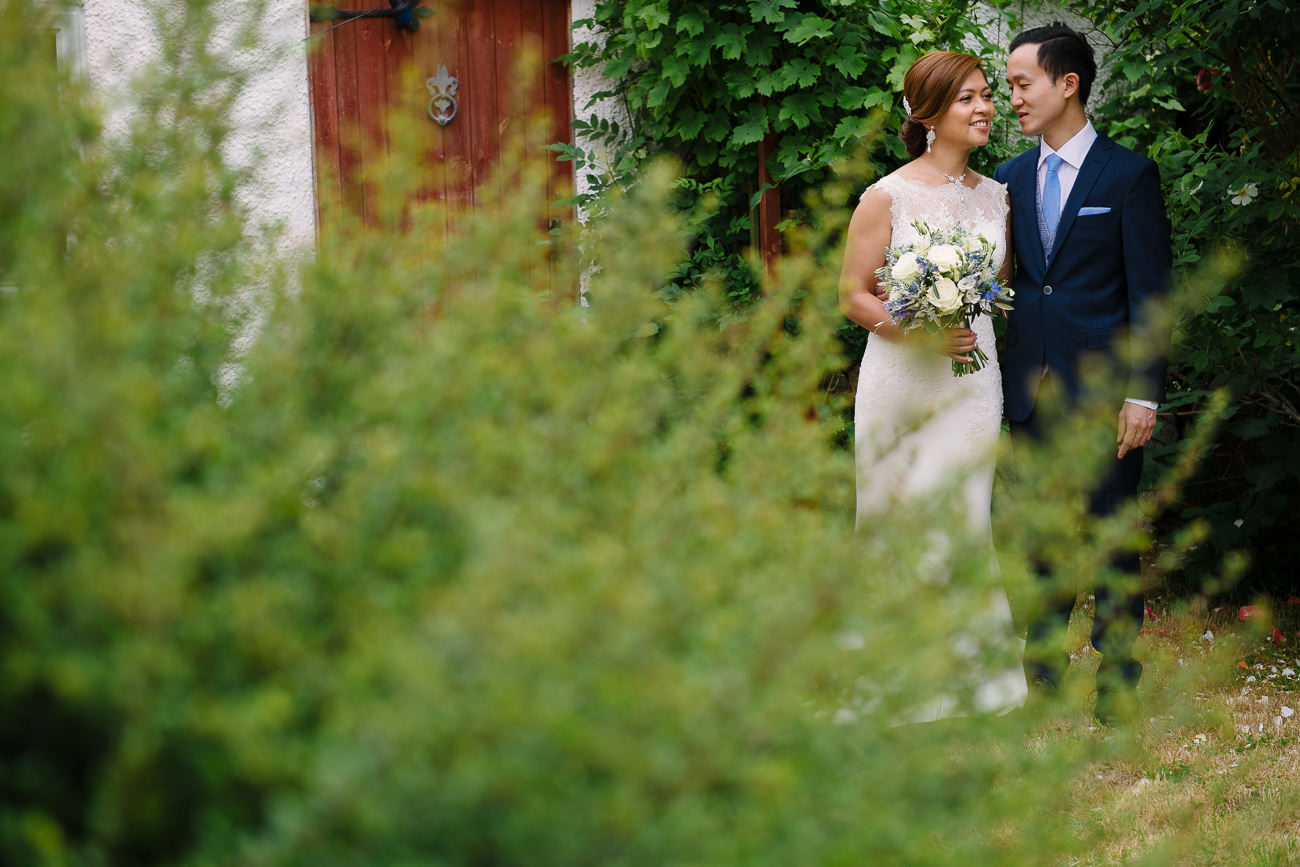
(708, 82)
(390, 559)
(1212, 92)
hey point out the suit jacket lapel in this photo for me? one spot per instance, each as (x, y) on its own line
(1027, 215)
(1098, 155)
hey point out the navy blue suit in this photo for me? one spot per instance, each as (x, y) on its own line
(1089, 296)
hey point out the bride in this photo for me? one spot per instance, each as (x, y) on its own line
(919, 427)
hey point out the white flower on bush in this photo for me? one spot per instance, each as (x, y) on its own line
(1244, 195)
(907, 267)
(945, 295)
(946, 257)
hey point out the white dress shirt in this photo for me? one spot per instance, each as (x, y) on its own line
(1072, 155)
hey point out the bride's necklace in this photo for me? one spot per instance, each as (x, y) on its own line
(955, 180)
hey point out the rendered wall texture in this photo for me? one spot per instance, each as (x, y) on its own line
(272, 119)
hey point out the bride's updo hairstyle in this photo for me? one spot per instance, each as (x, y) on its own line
(930, 87)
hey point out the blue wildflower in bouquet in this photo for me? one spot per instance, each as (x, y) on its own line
(943, 281)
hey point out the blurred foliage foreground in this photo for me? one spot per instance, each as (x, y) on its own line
(390, 558)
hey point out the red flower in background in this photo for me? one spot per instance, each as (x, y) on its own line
(1205, 79)
(1248, 611)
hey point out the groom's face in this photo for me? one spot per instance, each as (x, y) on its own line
(1035, 98)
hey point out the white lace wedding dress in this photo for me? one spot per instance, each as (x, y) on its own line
(919, 428)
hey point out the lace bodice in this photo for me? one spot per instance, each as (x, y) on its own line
(899, 387)
(983, 208)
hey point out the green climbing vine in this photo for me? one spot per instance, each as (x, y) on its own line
(707, 83)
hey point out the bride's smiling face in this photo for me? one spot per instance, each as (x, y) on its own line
(967, 120)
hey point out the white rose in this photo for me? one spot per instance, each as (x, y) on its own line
(906, 267)
(969, 288)
(973, 243)
(945, 296)
(945, 257)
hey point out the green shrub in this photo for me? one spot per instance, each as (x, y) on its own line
(706, 83)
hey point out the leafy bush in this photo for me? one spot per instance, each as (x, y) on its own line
(1210, 91)
(441, 570)
(707, 83)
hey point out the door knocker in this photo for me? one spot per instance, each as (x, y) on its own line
(442, 103)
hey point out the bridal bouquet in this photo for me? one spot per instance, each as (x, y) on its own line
(943, 281)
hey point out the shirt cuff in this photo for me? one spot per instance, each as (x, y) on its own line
(1148, 404)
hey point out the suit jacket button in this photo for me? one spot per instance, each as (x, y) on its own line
(1047, 290)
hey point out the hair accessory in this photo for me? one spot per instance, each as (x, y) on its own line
(929, 140)
(907, 107)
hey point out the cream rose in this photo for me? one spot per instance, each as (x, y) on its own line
(906, 267)
(945, 257)
(945, 296)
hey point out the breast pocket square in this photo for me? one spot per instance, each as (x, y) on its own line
(1088, 212)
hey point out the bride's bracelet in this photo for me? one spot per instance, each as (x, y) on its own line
(876, 328)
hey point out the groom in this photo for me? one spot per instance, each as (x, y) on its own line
(1091, 241)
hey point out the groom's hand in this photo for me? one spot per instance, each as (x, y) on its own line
(1135, 426)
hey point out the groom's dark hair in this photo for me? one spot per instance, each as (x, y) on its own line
(1061, 50)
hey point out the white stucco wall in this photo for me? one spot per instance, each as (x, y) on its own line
(272, 116)
(586, 84)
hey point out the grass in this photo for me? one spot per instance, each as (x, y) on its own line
(1215, 778)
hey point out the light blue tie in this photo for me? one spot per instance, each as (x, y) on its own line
(1049, 214)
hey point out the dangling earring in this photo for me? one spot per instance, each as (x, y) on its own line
(929, 140)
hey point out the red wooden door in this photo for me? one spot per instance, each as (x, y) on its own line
(502, 54)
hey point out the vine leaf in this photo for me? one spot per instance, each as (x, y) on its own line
(848, 61)
(770, 11)
(732, 40)
(753, 128)
(798, 72)
(692, 23)
(811, 27)
(655, 16)
(801, 108)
